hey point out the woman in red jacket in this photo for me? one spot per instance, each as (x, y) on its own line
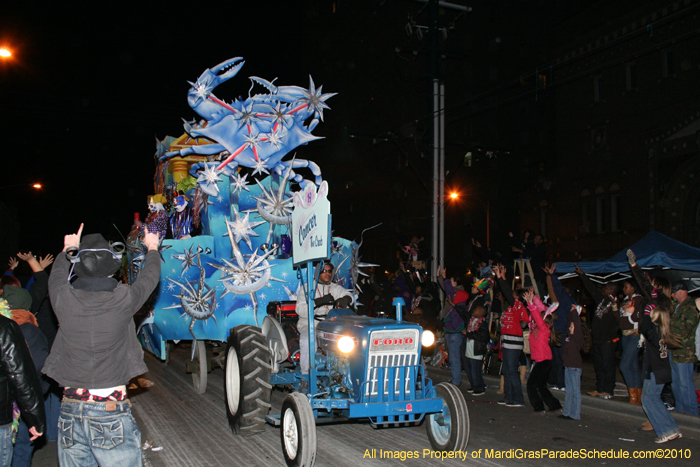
(512, 322)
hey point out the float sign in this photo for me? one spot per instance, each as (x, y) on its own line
(310, 224)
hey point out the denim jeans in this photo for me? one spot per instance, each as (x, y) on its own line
(6, 445)
(683, 387)
(52, 406)
(572, 402)
(24, 447)
(629, 363)
(475, 372)
(512, 387)
(454, 342)
(98, 433)
(660, 418)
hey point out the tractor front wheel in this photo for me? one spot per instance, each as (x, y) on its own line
(449, 430)
(298, 431)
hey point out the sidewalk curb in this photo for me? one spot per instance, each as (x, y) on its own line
(684, 421)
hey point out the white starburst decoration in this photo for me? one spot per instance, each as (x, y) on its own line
(239, 183)
(315, 99)
(275, 138)
(208, 179)
(242, 229)
(260, 167)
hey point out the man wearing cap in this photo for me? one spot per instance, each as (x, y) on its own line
(96, 351)
(684, 322)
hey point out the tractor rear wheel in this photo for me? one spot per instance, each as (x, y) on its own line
(247, 385)
(449, 430)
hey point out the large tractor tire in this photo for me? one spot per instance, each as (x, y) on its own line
(449, 430)
(298, 431)
(247, 387)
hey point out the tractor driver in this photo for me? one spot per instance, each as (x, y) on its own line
(326, 294)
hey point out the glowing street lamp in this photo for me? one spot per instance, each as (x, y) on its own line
(36, 186)
(5, 53)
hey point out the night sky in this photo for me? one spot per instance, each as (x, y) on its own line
(90, 87)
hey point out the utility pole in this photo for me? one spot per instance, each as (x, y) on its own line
(438, 215)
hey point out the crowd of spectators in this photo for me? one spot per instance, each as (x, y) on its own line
(542, 330)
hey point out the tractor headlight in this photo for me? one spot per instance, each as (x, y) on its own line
(346, 344)
(428, 338)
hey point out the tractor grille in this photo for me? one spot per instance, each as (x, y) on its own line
(392, 350)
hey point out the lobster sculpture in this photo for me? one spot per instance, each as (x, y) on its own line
(256, 132)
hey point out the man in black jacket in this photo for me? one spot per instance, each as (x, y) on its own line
(18, 382)
(605, 325)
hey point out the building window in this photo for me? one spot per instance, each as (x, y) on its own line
(667, 64)
(598, 88)
(631, 71)
(599, 210)
(615, 207)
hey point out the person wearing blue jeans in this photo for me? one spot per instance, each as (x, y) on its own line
(573, 366)
(572, 403)
(513, 319)
(103, 431)
(453, 324)
(454, 342)
(512, 387)
(6, 445)
(683, 387)
(684, 322)
(629, 365)
(96, 352)
(661, 419)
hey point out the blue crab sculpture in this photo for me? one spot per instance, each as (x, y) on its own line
(256, 132)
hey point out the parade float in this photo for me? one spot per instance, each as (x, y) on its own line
(230, 201)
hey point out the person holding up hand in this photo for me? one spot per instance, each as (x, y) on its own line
(96, 351)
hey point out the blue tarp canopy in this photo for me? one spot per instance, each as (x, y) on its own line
(655, 250)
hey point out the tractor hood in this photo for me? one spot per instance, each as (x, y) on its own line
(343, 322)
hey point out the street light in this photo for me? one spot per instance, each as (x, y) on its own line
(5, 53)
(36, 186)
(454, 195)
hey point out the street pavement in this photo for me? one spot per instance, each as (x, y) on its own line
(187, 429)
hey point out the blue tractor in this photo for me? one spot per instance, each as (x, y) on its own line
(365, 368)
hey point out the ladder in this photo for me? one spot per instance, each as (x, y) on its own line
(523, 268)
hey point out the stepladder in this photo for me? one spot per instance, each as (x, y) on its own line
(523, 270)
